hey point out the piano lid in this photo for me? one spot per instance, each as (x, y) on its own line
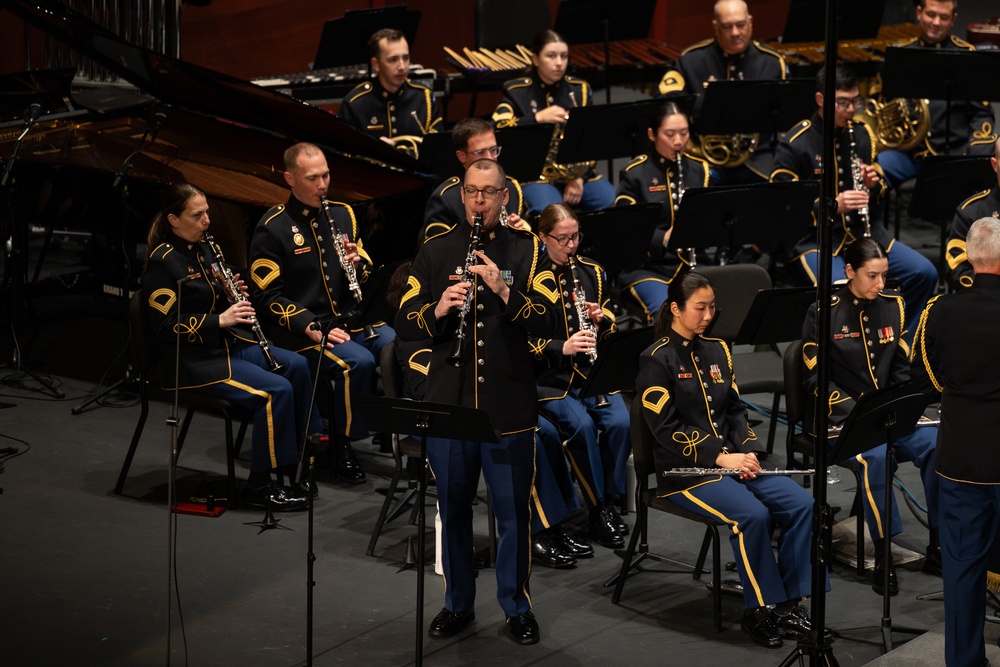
(356, 159)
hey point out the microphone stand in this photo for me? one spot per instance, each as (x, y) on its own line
(119, 185)
(18, 255)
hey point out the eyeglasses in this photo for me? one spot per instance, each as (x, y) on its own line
(489, 192)
(492, 151)
(844, 102)
(563, 241)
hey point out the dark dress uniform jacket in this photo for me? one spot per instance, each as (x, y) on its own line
(556, 371)
(410, 111)
(800, 158)
(704, 62)
(868, 351)
(692, 405)
(497, 375)
(654, 178)
(296, 275)
(953, 354)
(972, 126)
(445, 208)
(205, 345)
(984, 204)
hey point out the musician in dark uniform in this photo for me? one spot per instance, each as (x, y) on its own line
(549, 95)
(219, 353)
(946, 363)
(298, 280)
(980, 205)
(562, 364)
(800, 157)
(731, 56)
(390, 106)
(474, 140)
(661, 176)
(690, 401)
(495, 374)
(869, 352)
(971, 129)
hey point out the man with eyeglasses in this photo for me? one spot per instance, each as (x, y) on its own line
(971, 130)
(800, 157)
(495, 374)
(473, 139)
(731, 56)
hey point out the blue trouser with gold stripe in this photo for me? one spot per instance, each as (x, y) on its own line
(918, 447)
(279, 402)
(578, 421)
(508, 468)
(553, 497)
(352, 368)
(752, 508)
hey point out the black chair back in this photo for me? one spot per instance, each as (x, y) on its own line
(392, 374)
(795, 392)
(736, 286)
(642, 443)
(143, 348)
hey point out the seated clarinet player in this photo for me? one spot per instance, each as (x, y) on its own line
(661, 176)
(579, 285)
(222, 349)
(690, 401)
(549, 95)
(869, 352)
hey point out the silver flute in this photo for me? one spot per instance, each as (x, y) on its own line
(455, 358)
(698, 472)
(859, 181)
(224, 276)
(345, 264)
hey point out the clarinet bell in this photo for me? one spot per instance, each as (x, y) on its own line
(601, 401)
(370, 333)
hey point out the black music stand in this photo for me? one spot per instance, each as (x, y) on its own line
(943, 182)
(374, 306)
(424, 419)
(437, 156)
(776, 316)
(942, 75)
(618, 238)
(746, 107)
(617, 362)
(524, 150)
(593, 21)
(856, 19)
(770, 214)
(345, 40)
(607, 131)
(882, 416)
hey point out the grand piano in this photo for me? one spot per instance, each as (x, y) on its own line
(223, 134)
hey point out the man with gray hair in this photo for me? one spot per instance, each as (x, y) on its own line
(945, 363)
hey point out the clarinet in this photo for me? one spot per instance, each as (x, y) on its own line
(455, 358)
(348, 267)
(692, 252)
(859, 182)
(580, 301)
(224, 276)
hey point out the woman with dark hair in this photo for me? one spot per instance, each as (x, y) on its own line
(869, 352)
(690, 402)
(219, 354)
(548, 95)
(562, 364)
(661, 176)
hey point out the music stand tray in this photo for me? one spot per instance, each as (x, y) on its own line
(745, 107)
(607, 131)
(617, 362)
(762, 213)
(891, 412)
(345, 39)
(776, 316)
(940, 74)
(618, 238)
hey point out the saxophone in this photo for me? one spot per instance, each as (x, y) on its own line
(224, 276)
(580, 302)
(348, 266)
(455, 358)
(562, 173)
(859, 182)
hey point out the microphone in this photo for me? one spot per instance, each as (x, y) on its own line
(156, 123)
(31, 114)
(331, 322)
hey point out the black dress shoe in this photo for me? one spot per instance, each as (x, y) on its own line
(795, 624)
(303, 488)
(546, 550)
(523, 628)
(603, 531)
(932, 562)
(273, 495)
(759, 624)
(344, 463)
(878, 578)
(573, 546)
(617, 520)
(450, 623)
